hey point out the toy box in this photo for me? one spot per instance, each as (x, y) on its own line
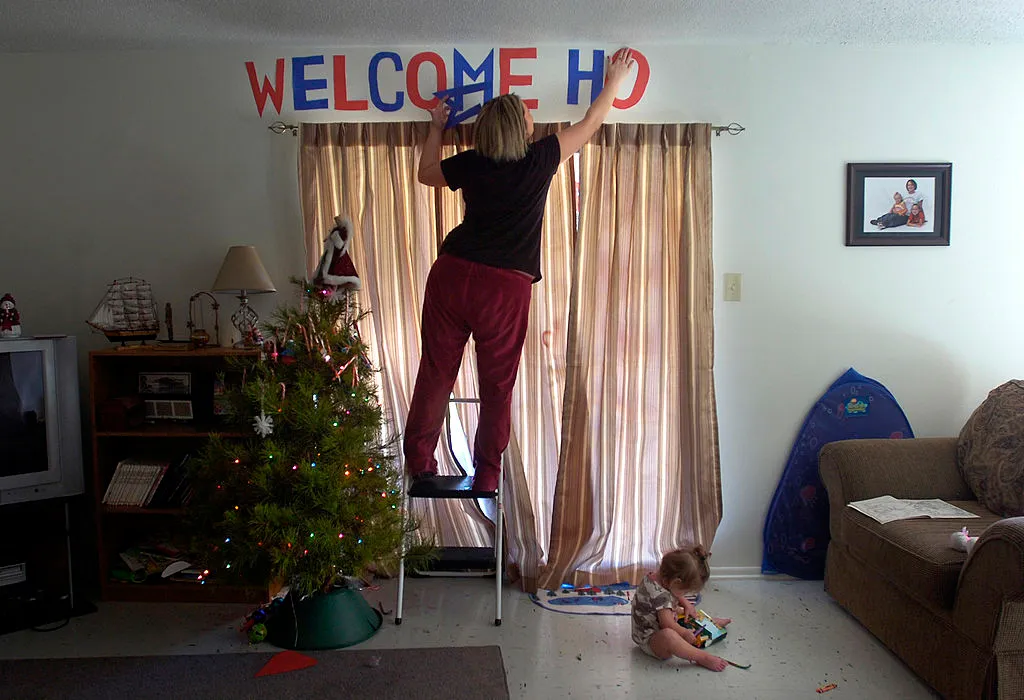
(706, 631)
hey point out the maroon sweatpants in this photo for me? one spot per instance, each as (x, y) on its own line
(493, 305)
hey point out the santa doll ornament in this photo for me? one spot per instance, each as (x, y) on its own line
(10, 319)
(336, 270)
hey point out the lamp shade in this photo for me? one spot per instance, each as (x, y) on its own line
(242, 270)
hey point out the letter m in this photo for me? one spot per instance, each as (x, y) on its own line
(464, 68)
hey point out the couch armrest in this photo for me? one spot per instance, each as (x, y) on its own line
(992, 579)
(854, 470)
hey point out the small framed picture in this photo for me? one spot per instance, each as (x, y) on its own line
(179, 383)
(898, 204)
(169, 409)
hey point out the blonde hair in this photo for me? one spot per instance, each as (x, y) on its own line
(688, 566)
(500, 129)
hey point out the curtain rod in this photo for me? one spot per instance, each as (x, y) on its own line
(281, 128)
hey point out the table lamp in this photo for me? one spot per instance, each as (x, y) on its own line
(242, 273)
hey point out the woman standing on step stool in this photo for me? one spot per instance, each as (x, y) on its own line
(481, 282)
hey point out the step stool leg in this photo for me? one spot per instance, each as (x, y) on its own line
(498, 558)
(401, 561)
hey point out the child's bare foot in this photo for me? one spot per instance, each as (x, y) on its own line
(712, 663)
(721, 621)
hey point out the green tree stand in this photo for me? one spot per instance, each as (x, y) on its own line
(340, 618)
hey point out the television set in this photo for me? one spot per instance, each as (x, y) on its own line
(40, 420)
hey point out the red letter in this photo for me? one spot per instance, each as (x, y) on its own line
(341, 100)
(276, 91)
(643, 75)
(412, 80)
(507, 80)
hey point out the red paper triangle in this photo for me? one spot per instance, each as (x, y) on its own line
(286, 661)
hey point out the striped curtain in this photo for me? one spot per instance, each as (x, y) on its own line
(638, 470)
(368, 172)
(613, 457)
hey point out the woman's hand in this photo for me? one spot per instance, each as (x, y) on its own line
(439, 115)
(619, 66)
(572, 139)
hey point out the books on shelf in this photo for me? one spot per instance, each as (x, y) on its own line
(886, 509)
(149, 484)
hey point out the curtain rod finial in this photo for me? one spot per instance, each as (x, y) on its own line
(281, 128)
(732, 129)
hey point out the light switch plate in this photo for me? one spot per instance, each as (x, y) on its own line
(732, 286)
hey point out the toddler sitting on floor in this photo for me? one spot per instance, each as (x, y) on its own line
(661, 598)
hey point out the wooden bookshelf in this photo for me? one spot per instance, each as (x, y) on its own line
(114, 374)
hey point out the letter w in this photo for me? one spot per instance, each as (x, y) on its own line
(276, 91)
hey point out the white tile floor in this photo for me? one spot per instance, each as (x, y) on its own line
(791, 632)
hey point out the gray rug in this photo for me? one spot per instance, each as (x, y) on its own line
(454, 672)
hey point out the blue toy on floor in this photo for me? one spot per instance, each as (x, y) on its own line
(796, 531)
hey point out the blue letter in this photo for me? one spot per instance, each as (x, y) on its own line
(595, 76)
(300, 85)
(462, 68)
(375, 87)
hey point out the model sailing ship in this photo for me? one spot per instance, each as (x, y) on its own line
(127, 312)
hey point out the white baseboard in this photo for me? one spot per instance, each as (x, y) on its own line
(738, 572)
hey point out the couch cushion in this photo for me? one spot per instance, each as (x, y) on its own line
(915, 555)
(990, 450)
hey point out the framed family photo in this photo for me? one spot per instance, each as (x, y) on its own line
(897, 204)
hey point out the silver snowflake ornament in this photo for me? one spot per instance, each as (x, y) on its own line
(263, 424)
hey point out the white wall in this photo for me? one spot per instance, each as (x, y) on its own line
(938, 326)
(153, 164)
(142, 164)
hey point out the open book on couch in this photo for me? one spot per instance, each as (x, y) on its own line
(886, 509)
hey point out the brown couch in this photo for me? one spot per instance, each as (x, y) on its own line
(957, 621)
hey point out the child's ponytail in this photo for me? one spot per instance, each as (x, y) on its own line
(687, 565)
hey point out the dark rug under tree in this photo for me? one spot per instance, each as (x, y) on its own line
(453, 672)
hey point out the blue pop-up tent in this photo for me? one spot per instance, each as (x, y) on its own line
(796, 531)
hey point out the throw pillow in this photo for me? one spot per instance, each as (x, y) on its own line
(990, 450)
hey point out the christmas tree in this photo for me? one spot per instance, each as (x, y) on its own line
(314, 495)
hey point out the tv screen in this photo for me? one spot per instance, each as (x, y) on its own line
(22, 414)
(40, 419)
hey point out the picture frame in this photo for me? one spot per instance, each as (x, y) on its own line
(179, 383)
(898, 204)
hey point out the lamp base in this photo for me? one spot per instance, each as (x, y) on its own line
(246, 321)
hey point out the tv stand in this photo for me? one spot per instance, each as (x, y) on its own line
(47, 593)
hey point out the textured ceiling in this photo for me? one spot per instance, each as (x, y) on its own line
(58, 25)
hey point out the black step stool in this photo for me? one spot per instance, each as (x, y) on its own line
(458, 561)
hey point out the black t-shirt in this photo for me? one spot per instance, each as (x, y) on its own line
(504, 206)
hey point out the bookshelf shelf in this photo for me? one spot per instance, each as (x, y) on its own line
(184, 593)
(141, 510)
(170, 431)
(114, 380)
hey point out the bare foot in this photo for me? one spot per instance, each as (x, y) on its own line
(721, 621)
(713, 663)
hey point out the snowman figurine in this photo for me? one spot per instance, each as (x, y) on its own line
(10, 320)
